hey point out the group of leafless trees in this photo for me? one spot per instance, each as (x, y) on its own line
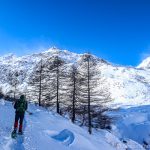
(74, 90)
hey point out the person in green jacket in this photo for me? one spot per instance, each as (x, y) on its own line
(21, 106)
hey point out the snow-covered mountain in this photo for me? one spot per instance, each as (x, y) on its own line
(126, 84)
(46, 130)
(145, 64)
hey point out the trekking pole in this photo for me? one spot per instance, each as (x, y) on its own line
(30, 113)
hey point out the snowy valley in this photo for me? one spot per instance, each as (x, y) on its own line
(129, 89)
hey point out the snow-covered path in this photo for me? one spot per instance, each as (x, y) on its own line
(44, 130)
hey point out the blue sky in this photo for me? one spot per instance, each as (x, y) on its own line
(116, 30)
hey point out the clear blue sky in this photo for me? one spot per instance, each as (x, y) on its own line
(116, 30)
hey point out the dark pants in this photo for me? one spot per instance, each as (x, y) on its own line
(19, 117)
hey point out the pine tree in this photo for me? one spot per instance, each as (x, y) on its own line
(72, 91)
(91, 99)
(74, 80)
(37, 83)
(54, 73)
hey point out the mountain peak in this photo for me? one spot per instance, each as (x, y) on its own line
(145, 64)
(8, 57)
(53, 50)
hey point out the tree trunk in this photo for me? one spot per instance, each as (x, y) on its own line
(57, 105)
(89, 101)
(73, 102)
(40, 85)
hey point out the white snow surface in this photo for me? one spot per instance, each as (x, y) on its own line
(45, 129)
(133, 123)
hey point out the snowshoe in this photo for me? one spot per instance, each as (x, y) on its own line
(14, 134)
(20, 133)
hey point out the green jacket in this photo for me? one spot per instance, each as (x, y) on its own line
(21, 106)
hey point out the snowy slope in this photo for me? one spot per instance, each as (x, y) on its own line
(46, 130)
(133, 123)
(126, 84)
(129, 88)
(145, 64)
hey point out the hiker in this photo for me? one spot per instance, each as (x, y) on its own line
(20, 106)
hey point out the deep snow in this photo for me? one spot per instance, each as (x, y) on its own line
(133, 123)
(46, 130)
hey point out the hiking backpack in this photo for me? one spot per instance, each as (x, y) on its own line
(21, 106)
